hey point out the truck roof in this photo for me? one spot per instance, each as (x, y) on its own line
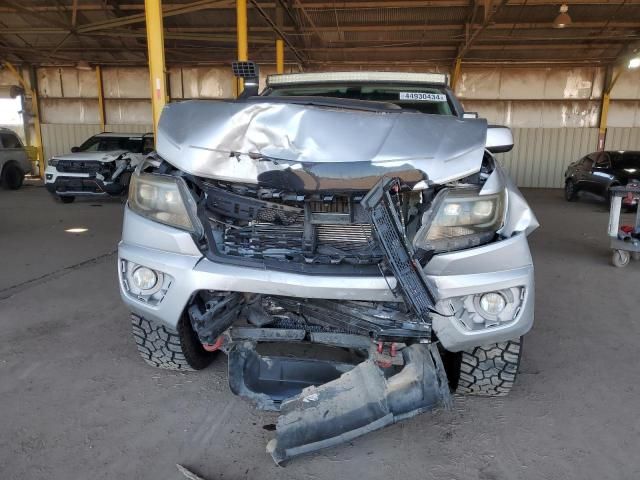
(341, 77)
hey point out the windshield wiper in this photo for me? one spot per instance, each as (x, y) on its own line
(349, 103)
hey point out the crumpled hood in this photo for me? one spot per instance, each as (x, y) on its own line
(305, 147)
(92, 156)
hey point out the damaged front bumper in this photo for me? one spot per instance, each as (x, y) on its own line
(454, 277)
(391, 318)
(79, 184)
(90, 178)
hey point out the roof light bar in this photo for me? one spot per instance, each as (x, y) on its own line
(321, 77)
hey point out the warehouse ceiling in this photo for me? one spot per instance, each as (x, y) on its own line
(322, 34)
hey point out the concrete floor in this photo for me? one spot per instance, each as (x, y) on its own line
(77, 402)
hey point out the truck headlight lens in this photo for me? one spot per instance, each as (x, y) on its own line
(52, 162)
(164, 199)
(460, 218)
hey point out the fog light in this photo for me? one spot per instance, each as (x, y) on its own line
(492, 303)
(144, 278)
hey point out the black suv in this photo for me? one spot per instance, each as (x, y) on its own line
(597, 172)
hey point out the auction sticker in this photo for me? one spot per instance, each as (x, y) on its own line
(423, 97)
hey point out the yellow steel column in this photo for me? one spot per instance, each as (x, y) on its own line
(604, 113)
(604, 110)
(100, 97)
(155, 45)
(456, 73)
(279, 40)
(279, 56)
(35, 113)
(243, 37)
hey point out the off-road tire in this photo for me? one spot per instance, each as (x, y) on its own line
(67, 198)
(163, 347)
(570, 191)
(490, 370)
(12, 177)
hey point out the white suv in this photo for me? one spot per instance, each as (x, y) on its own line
(101, 166)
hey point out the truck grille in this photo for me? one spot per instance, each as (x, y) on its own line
(78, 166)
(323, 228)
(264, 239)
(332, 244)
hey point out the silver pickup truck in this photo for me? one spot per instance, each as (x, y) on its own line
(14, 160)
(361, 216)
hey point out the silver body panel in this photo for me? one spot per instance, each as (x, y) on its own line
(312, 148)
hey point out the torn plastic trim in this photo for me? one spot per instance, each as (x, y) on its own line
(399, 252)
(519, 216)
(360, 401)
(266, 381)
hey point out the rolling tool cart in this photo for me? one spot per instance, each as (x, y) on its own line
(624, 239)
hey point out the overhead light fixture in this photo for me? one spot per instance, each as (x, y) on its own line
(77, 230)
(634, 62)
(563, 19)
(83, 65)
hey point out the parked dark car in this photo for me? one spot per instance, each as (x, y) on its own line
(599, 171)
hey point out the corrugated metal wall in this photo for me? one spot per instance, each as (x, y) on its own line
(541, 155)
(621, 138)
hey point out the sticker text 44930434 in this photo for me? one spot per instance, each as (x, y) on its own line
(423, 96)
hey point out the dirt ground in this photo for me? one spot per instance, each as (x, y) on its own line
(78, 403)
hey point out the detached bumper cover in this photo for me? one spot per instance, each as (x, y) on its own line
(324, 403)
(360, 401)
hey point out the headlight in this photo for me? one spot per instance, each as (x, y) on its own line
(53, 162)
(164, 199)
(460, 218)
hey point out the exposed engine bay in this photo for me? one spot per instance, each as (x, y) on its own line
(352, 233)
(344, 233)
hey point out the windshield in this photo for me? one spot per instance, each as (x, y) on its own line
(627, 161)
(108, 144)
(424, 99)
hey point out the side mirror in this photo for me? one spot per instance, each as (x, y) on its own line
(499, 139)
(75, 149)
(470, 115)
